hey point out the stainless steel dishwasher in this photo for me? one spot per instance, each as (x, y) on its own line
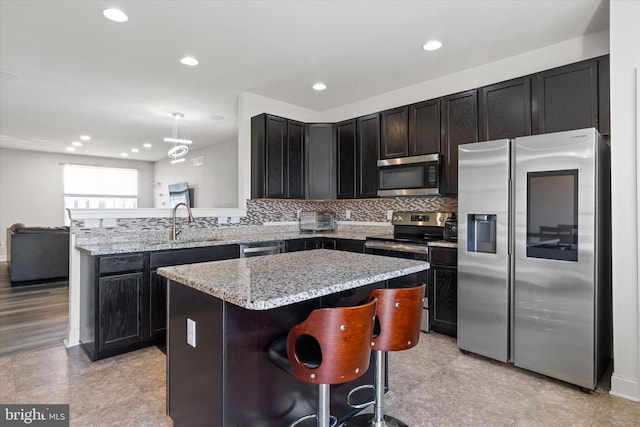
(261, 248)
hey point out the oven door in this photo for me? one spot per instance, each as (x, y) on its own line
(407, 251)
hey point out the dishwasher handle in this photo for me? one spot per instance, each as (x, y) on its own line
(257, 249)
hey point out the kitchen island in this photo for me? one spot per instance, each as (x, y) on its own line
(238, 308)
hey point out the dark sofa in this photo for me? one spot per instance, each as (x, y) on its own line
(37, 253)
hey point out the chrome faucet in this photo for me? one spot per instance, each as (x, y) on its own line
(174, 228)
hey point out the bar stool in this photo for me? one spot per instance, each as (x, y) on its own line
(398, 320)
(332, 346)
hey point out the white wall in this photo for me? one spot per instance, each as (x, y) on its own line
(215, 183)
(625, 184)
(31, 187)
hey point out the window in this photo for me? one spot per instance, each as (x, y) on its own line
(93, 187)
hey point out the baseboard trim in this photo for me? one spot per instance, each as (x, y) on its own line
(628, 388)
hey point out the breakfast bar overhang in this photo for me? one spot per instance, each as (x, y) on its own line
(218, 368)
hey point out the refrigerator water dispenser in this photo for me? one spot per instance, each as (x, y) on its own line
(481, 233)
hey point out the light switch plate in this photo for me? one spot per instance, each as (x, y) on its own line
(235, 220)
(191, 332)
(389, 215)
(222, 220)
(347, 214)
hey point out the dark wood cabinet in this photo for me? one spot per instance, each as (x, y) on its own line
(424, 128)
(394, 133)
(443, 290)
(567, 97)
(505, 109)
(368, 143)
(277, 157)
(459, 126)
(320, 161)
(295, 160)
(346, 147)
(119, 315)
(124, 300)
(349, 245)
(156, 309)
(294, 245)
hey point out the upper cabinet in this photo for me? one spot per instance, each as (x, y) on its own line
(320, 161)
(424, 128)
(505, 109)
(459, 126)
(394, 133)
(340, 160)
(567, 97)
(346, 145)
(368, 142)
(277, 157)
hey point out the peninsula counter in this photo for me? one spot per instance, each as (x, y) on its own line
(239, 307)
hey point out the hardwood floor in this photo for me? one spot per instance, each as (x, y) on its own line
(32, 316)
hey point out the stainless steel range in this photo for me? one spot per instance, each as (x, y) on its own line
(412, 232)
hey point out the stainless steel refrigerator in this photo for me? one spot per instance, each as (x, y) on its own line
(534, 256)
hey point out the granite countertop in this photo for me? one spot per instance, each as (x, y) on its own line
(146, 246)
(271, 281)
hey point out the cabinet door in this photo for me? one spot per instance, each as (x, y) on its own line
(346, 140)
(505, 109)
(424, 128)
(295, 160)
(394, 135)
(157, 305)
(568, 97)
(604, 108)
(368, 141)
(119, 319)
(459, 126)
(321, 161)
(276, 157)
(443, 300)
(350, 245)
(294, 245)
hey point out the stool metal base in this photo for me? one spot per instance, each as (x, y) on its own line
(366, 420)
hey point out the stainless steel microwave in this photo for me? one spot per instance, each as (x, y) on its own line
(410, 176)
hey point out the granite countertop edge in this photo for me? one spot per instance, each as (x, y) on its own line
(151, 246)
(198, 276)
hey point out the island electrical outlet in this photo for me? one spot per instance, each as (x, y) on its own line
(191, 332)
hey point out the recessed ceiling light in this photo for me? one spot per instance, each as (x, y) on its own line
(319, 86)
(71, 149)
(115, 15)
(189, 60)
(134, 150)
(76, 144)
(124, 154)
(85, 137)
(432, 45)
(217, 117)
(147, 145)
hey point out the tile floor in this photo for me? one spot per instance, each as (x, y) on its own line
(433, 384)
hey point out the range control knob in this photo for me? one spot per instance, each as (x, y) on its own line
(398, 218)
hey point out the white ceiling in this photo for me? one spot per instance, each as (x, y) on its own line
(119, 83)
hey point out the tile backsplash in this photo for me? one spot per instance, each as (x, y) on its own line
(260, 211)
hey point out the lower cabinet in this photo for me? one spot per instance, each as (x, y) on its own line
(443, 290)
(124, 301)
(119, 311)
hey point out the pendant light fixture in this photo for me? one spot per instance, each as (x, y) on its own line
(180, 140)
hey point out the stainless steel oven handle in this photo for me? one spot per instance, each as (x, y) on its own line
(398, 247)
